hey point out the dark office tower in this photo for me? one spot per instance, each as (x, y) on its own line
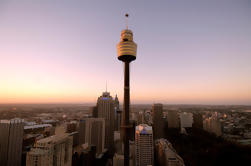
(126, 52)
(94, 111)
(81, 131)
(11, 140)
(105, 106)
(158, 126)
(117, 114)
(197, 120)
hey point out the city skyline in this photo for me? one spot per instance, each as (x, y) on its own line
(63, 52)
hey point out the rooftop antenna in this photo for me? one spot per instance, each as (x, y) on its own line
(126, 15)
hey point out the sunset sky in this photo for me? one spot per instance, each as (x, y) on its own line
(64, 51)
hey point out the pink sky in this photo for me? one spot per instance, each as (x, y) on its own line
(188, 53)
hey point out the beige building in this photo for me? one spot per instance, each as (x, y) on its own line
(106, 110)
(40, 157)
(186, 119)
(11, 140)
(51, 151)
(144, 145)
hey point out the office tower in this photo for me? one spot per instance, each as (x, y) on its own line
(144, 145)
(119, 119)
(166, 154)
(126, 52)
(173, 119)
(57, 150)
(117, 114)
(105, 106)
(186, 119)
(158, 124)
(92, 131)
(11, 140)
(197, 120)
(81, 132)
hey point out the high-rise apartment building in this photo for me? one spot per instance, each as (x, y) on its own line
(144, 145)
(56, 150)
(158, 124)
(93, 132)
(11, 140)
(105, 106)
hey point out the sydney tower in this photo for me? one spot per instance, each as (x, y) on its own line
(126, 52)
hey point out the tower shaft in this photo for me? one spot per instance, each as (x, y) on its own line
(126, 107)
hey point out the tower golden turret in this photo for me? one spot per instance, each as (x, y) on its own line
(126, 48)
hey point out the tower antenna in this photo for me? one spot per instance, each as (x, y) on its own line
(126, 15)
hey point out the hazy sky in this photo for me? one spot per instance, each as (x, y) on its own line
(190, 52)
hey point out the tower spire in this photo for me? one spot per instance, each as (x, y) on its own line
(106, 86)
(126, 15)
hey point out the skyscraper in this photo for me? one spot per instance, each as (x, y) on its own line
(105, 106)
(117, 114)
(11, 141)
(144, 145)
(158, 124)
(126, 52)
(57, 150)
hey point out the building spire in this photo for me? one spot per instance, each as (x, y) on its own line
(126, 15)
(106, 86)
